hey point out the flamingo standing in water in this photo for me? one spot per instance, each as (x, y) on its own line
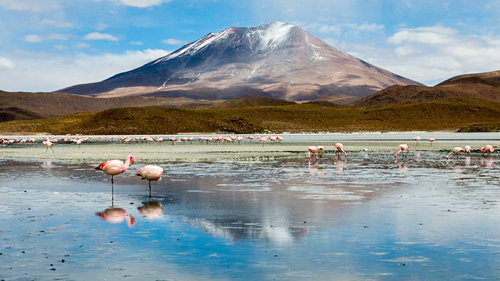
(115, 167)
(417, 139)
(487, 149)
(457, 150)
(47, 144)
(150, 173)
(431, 140)
(402, 147)
(316, 150)
(340, 148)
(467, 149)
(263, 140)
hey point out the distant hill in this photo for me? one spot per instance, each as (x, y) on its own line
(252, 102)
(21, 105)
(482, 86)
(448, 114)
(274, 60)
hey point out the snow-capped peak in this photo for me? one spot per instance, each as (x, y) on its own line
(269, 36)
(273, 34)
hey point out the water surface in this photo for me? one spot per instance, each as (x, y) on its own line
(367, 218)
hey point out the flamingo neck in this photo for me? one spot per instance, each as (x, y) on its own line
(127, 163)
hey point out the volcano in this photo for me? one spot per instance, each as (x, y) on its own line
(274, 60)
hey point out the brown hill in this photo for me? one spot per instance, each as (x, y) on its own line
(21, 105)
(449, 114)
(482, 86)
(252, 102)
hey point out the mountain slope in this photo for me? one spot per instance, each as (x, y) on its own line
(482, 86)
(21, 105)
(276, 60)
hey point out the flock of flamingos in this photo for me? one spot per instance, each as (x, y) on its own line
(154, 172)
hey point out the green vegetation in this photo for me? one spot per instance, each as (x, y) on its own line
(449, 114)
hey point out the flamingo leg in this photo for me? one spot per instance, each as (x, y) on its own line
(112, 190)
(51, 149)
(149, 189)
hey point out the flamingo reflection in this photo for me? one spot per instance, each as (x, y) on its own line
(116, 215)
(151, 210)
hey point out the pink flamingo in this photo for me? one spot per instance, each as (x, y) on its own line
(150, 173)
(116, 215)
(431, 140)
(115, 167)
(467, 149)
(263, 140)
(401, 148)
(417, 139)
(47, 143)
(487, 149)
(340, 148)
(457, 150)
(316, 150)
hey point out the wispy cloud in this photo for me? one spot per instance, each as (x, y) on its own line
(143, 3)
(49, 73)
(431, 54)
(60, 47)
(82, 45)
(62, 24)
(342, 27)
(171, 41)
(136, 43)
(35, 6)
(5, 63)
(32, 38)
(100, 36)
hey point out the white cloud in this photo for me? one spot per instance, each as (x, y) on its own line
(370, 27)
(433, 53)
(43, 73)
(171, 41)
(342, 27)
(5, 63)
(100, 36)
(143, 3)
(136, 43)
(35, 6)
(425, 35)
(62, 24)
(32, 38)
(60, 47)
(82, 45)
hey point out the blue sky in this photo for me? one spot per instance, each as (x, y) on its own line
(50, 44)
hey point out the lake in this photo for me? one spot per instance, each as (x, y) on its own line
(369, 217)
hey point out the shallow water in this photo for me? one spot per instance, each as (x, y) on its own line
(370, 218)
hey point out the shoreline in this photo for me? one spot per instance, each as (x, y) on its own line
(200, 152)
